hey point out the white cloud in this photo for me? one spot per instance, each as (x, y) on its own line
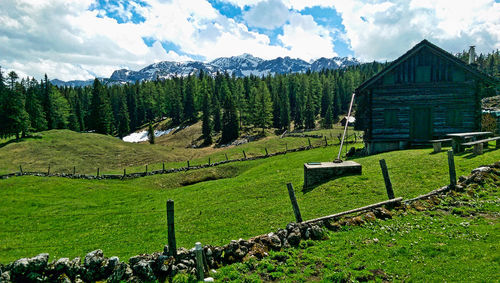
(66, 40)
(268, 14)
(306, 39)
(391, 27)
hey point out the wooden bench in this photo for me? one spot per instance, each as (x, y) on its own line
(436, 144)
(478, 145)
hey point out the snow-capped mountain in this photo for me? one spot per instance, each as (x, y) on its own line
(333, 63)
(239, 66)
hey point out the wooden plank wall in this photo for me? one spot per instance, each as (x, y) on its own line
(441, 97)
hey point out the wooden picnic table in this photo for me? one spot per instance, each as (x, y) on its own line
(459, 138)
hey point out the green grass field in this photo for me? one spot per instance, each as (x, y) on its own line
(69, 218)
(446, 243)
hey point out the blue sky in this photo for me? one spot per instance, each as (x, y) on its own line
(87, 38)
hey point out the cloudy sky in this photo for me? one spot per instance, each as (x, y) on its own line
(81, 39)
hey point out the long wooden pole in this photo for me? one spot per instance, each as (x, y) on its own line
(345, 128)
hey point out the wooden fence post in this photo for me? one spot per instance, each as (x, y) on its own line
(163, 167)
(387, 180)
(48, 170)
(326, 141)
(226, 156)
(209, 161)
(74, 170)
(21, 169)
(98, 171)
(309, 141)
(124, 172)
(267, 154)
(172, 249)
(451, 166)
(188, 163)
(244, 155)
(146, 169)
(295, 206)
(198, 250)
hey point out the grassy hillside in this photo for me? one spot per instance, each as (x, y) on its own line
(63, 149)
(72, 217)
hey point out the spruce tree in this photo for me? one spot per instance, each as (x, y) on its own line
(230, 125)
(190, 114)
(262, 111)
(151, 133)
(336, 107)
(15, 120)
(217, 115)
(206, 122)
(101, 114)
(328, 118)
(34, 107)
(325, 99)
(60, 109)
(309, 114)
(123, 120)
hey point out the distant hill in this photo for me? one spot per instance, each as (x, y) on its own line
(239, 66)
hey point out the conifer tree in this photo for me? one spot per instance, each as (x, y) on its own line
(262, 111)
(15, 119)
(217, 115)
(189, 107)
(34, 107)
(151, 133)
(101, 117)
(206, 122)
(60, 109)
(309, 114)
(326, 98)
(336, 107)
(176, 108)
(123, 119)
(46, 103)
(328, 118)
(230, 125)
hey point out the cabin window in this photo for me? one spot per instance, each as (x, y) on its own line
(391, 118)
(423, 74)
(453, 118)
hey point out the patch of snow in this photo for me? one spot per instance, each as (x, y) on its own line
(136, 137)
(143, 135)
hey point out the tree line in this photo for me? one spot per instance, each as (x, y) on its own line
(225, 104)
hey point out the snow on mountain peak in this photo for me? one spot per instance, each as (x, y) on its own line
(240, 66)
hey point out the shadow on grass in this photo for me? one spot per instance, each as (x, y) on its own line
(326, 180)
(19, 140)
(469, 154)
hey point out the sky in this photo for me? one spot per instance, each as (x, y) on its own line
(83, 39)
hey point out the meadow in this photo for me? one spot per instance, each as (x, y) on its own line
(68, 218)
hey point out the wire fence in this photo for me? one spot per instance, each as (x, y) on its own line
(318, 143)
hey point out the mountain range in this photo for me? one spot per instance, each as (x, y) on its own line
(239, 66)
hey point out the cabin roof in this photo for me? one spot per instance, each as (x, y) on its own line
(438, 51)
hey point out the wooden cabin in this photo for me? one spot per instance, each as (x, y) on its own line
(423, 95)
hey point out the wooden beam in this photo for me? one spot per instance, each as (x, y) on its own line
(337, 215)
